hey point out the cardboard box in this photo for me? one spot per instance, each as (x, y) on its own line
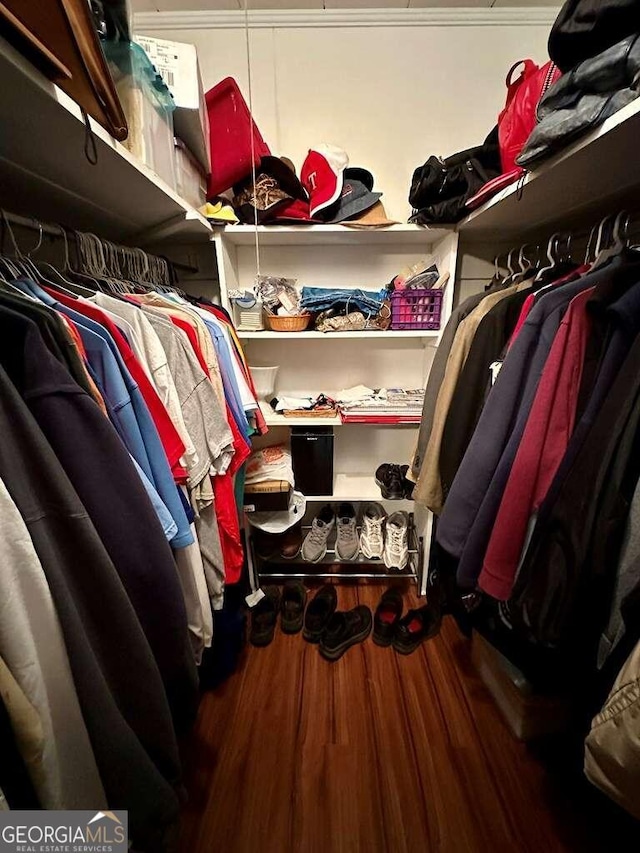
(178, 64)
(528, 714)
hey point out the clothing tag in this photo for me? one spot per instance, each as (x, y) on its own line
(495, 368)
(254, 597)
(249, 507)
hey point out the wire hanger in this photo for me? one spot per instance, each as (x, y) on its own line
(617, 245)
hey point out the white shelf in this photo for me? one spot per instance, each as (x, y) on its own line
(358, 487)
(598, 174)
(334, 336)
(275, 419)
(45, 172)
(331, 235)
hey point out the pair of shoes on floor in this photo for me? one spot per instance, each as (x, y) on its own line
(385, 537)
(335, 630)
(270, 546)
(404, 633)
(289, 604)
(314, 547)
(393, 482)
(381, 537)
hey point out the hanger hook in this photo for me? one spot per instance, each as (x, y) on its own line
(5, 220)
(39, 243)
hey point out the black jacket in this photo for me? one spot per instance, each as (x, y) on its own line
(585, 28)
(103, 475)
(117, 680)
(489, 341)
(562, 592)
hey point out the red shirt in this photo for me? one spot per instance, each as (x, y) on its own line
(542, 447)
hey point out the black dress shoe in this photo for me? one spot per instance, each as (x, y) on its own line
(319, 610)
(416, 627)
(390, 480)
(387, 615)
(294, 598)
(345, 629)
(264, 617)
(407, 484)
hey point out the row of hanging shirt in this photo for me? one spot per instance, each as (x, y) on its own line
(527, 454)
(126, 416)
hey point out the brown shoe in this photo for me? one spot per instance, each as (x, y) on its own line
(291, 542)
(267, 545)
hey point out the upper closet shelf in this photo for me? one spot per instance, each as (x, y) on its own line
(596, 175)
(332, 235)
(44, 170)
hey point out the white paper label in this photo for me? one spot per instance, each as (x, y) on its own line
(254, 597)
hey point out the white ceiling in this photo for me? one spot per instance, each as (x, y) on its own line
(206, 5)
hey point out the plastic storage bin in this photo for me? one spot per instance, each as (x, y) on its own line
(419, 309)
(312, 459)
(230, 129)
(148, 106)
(191, 182)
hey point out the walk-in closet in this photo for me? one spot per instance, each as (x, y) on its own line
(320, 414)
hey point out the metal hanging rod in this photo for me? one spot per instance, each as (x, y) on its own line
(58, 232)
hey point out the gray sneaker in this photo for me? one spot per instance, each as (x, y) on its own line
(347, 544)
(396, 541)
(314, 547)
(371, 538)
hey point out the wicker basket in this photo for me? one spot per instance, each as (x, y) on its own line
(297, 323)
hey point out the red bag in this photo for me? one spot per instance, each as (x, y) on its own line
(230, 130)
(519, 116)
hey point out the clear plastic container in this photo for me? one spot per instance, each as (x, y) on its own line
(148, 106)
(191, 182)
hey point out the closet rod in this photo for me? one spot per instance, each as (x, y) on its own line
(55, 231)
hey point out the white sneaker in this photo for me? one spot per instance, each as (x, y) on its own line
(314, 547)
(371, 538)
(396, 541)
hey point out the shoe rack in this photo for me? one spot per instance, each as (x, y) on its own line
(278, 568)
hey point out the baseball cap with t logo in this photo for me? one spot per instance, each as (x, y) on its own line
(322, 176)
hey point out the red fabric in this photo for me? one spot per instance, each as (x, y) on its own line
(542, 447)
(322, 177)
(171, 441)
(529, 302)
(228, 527)
(519, 116)
(493, 187)
(230, 130)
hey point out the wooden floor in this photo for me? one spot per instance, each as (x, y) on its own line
(377, 753)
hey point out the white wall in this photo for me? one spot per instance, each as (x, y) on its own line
(390, 95)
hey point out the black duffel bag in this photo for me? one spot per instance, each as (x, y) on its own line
(584, 28)
(440, 188)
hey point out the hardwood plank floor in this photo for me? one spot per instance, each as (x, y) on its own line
(377, 753)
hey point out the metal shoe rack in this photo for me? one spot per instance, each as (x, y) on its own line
(363, 568)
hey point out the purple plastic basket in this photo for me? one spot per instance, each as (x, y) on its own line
(416, 309)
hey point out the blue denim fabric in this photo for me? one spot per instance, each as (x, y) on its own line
(321, 298)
